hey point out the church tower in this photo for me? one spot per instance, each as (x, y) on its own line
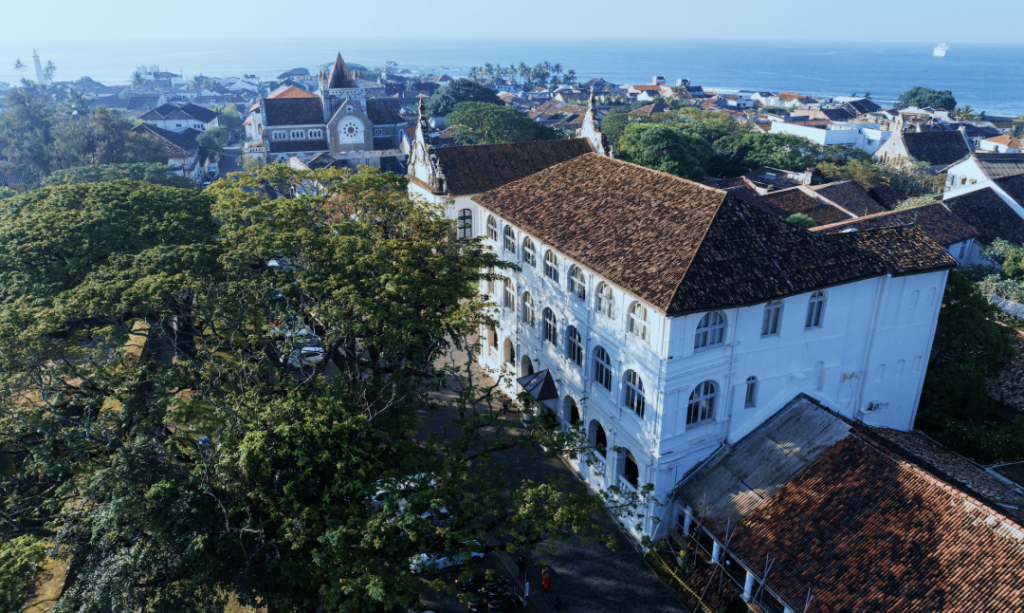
(40, 77)
(339, 86)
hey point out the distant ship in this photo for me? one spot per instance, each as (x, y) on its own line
(941, 50)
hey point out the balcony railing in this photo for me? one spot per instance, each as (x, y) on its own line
(626, 486)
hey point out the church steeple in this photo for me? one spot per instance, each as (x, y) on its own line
(341, 76)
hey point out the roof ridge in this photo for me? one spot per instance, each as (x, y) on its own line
(700, 243)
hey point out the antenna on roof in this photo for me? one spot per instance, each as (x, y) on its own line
(807, 604)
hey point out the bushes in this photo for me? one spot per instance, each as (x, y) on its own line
(984, 443)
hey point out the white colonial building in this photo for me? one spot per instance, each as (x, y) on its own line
(675, 319)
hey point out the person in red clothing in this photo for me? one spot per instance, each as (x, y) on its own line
(545, 578)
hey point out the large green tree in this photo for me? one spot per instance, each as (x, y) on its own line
(172, 440)
(152, 172)
(666, 149)
(460, 90)
(924, 97)
(481, 123)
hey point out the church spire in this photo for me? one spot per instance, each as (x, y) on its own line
(341, 76)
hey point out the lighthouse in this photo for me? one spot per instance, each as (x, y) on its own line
(39, 68)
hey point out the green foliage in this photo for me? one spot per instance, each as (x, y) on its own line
(228, 117)
(985, 443)
(969, 346)
(168, 443)
(801, 220)
(253, 164)
(1013, 264)
(461, 90)
(744, 151)
(20, 561)
(912, 178)
(152, 173)
(487, 124)
(664, 148)
(214, 139)
(6, 192)
(38, 138)
(865, 173)
(923, 97)
(910, 203)
(775, 110)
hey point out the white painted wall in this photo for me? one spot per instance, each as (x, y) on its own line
(867, 139)
(873, 346)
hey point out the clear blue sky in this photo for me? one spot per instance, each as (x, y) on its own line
(39, 21)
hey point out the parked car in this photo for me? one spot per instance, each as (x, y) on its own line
(426, 562)
(307, 356)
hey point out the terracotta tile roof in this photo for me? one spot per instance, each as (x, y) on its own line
(647, 88)
(936, 147)
(478, 168)
(341, 77)
(294, 111)
(774, 178)
(255, 107)
(651, 109)
(1008, 386)
(990, 214)
(678, 245)
(850, 196)
(938, 222)
(887, 197)
(290, 91)
(1013, 186)
(905, 250)
(870, 520)
(1005, 140)
(801, 199)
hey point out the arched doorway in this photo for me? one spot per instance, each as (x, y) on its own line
(598, 438)
(570, 412)
(527, 366)
(630, 470)
(509, 353)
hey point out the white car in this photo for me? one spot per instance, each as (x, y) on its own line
(426, 562)
(307, 356)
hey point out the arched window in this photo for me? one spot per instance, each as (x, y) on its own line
(510, 239)
(605, 300)
(465, 223)
(635, 393)
(510, 352)
(772, 313)
(316, 133)
(574, 346)
(638, 321)
(750, 399)
(701, 407)
(577, 283)
(492, 338)
(602, 368)
(280, 135)
(528, 313)
(527, 366)
(550, 327)
(529, 252)
(815, 309)
(492, 228)
(574, 414)
(298, 135)
(630, 470)
(551, 265)
(600, 439)
(510, 297)
(710, 330)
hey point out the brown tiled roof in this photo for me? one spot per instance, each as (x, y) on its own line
(887, 197)
(290, 92)
(771, 177)
(678, 245)
(865, 531)
(478, 168)
(905, 250)
(341, 77)
(1005, 139)
(294, 111)
(936, 147)
(850, 196)
(651, 109)
(990, 214)
(1013, 186)
(938, 222)
(800, 199)
(175, 144)
(997, 165)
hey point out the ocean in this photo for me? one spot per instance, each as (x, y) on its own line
(985, 76)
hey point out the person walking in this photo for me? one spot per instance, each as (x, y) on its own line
(558, 605)
(521, 565)
(545, 578)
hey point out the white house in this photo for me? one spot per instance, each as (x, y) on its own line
(675, 319)
(184, 156)
(1001, 144)
(181, 117)
(867, 138)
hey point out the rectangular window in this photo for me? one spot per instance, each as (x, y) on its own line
(963, 249)
(770, 325)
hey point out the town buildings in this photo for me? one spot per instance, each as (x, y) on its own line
(181, 117)
(184, 155)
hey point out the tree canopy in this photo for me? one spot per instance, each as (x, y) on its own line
(664, 148)
(486, 124)
(151, 173)
(460, 90)
(924, 97)
(172, 439)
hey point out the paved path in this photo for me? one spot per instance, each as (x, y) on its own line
(230, 160)
(588, 578)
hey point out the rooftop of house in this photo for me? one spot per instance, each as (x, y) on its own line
(176, 144)
(792, 200)
(290, 91)
(651, 109)
(996, 165)
(850, 196)
(293, 111)
(1013, 186)
(936, 148)
(990, 214)
(1006, 140)
(681, 246)
(865, 526)
(381, 114)
(886, 196)
(182, 111)
(935, 220)
(479, 168)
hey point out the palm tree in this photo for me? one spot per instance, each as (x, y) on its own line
(556, 68)
(1017, 131)
(512, 72)
(965, 113)
(489, 69)
(137, 80)
(20, 66)
(78, 102)
(570, 76)
(48, 71)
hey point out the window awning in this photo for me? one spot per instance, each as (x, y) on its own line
(540, 385)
